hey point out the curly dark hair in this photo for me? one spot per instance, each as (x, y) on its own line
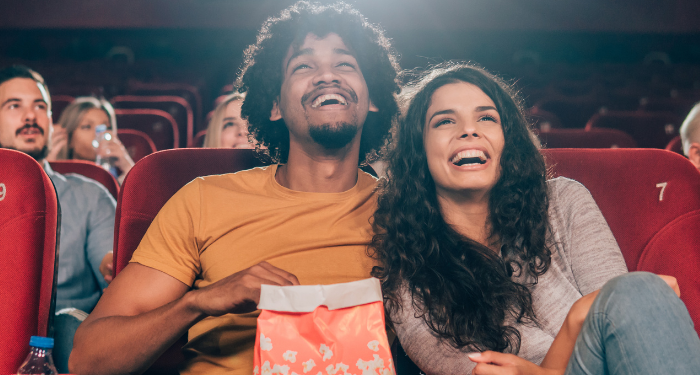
(462, 289)
(261, 75)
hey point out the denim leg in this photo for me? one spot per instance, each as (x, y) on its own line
(636, 325)
(65, 323)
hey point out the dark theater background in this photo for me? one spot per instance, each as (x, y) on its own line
(616, 55)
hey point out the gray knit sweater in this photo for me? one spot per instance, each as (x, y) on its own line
(584, 256)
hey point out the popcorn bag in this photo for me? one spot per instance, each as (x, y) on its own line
(333, 329)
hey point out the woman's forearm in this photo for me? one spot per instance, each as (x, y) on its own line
(560, 352)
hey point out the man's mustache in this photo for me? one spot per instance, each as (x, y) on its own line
(29, 126)
(314, 93)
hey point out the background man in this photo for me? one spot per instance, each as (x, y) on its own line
(690, 136)
(87, 208)
(321, 83)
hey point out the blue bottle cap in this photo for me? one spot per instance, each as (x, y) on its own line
(41, 342)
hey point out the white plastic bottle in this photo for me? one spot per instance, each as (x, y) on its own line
(102, 135)
(39, 360)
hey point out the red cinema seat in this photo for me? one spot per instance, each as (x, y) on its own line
(543, 120)
(676, 145)
(89, 170)
(573, 112)
(198, 140)
(186, 91)
(579, 138)
(651, 201)
(137, 143)
(58, 104)
(157, 124)
(678, 106)
(649, 129)
(29, 226)
(176, 106)
(147, 187)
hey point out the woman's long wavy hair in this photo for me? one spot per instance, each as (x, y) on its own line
(462, 290)
(261, 76)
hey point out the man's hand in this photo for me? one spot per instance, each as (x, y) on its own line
(496, 363)
(240, 292)
(107, 267)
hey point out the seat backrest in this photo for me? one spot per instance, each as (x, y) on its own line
(157, 124)
(176, 106)
(198, 140)
(678, 106)
(147, 187)
(649, 129)
(137, 143)
(184, 90)
(675, 251)
(639, 191)
(152, 181)
(580, 138)
(543, 120)
(29, 231)
(676, 145)
(573, 112)
(58, 104)
(651, 201)
(89, 170)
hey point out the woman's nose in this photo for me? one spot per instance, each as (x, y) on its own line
(469, 130)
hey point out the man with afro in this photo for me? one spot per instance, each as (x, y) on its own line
(321, 84)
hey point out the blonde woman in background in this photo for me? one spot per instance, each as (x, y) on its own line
(75, 132)
(226, 128)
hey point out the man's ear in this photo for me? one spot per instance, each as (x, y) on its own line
(372, 107)
(275, 114)
(694, 154)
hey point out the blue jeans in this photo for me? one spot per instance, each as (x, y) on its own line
(636, 325)
(65, 324)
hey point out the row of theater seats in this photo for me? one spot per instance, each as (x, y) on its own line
(167, 122)
(595, 138)
(647, 129)
(650, 198)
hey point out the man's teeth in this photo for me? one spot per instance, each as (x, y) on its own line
(469, 157)
(338, 99)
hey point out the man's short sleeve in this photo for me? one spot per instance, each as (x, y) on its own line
(170, 244)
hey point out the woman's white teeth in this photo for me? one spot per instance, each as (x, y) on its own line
(329, 99)
(469, 157)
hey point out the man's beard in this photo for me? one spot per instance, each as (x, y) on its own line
(37, 155)
(333, 137)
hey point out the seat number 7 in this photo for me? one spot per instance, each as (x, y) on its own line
(661, 185)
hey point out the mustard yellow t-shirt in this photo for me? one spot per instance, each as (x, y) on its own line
(218, 225)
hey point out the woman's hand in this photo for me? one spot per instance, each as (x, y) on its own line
(672, 282)
(114, 148)
(496, 363)
(59, 139)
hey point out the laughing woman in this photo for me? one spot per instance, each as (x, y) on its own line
(494, 269)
